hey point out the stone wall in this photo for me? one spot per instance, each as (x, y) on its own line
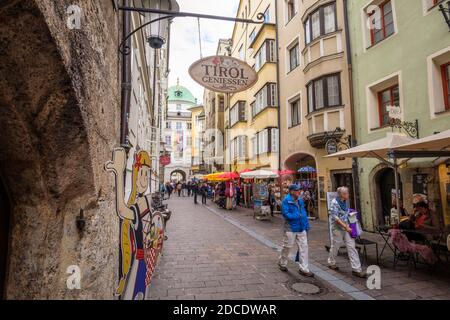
(60, 116)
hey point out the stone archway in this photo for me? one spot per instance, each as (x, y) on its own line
(178, 175)
(307, 180)
(382, 181)
(44, 151)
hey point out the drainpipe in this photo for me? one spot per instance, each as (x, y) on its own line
(126, 80)
(353, 141)
(278, 88)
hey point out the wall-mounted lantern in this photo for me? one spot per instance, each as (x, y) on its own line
(157, 32)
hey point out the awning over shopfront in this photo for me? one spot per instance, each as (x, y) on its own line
(379, 149)
(436, 142)
(259, 174)
(434, 146)
(395, 146)
(375, 149)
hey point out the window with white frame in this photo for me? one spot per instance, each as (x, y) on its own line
(265, 54)
(267, 141)
(168, 141)
(324, 92)
(381, 19)
(439, 81)
(254, 146)
(389, 97)
(252, 36)
(294, 112)
(274, 137)
(445, 70)
(320, 22)
(179, 125)
(291, 9)
(240, 148)
(238, 113)
(266, 97)
(294, 56)
(381, 96)
(263, 141)
(168, 125)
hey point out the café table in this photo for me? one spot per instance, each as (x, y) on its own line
(383, 231)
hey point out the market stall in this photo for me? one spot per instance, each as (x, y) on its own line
(260, 197)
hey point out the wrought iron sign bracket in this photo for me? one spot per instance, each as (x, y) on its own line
(333, 141)
(410, 127)
(445, 13)
(167, 14)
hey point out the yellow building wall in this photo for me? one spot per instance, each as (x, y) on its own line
(267, 74)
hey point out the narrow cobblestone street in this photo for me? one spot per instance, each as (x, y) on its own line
(218, 254)
(206, 257)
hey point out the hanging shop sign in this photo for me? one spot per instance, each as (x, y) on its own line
(164, 160)
(331, 146)
(223, 74)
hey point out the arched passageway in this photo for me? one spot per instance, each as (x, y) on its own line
(383, 197)
(178, 175)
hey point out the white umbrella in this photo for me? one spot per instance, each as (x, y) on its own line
(259, 174)
(436, 142)
(374, 149)
(378, 149)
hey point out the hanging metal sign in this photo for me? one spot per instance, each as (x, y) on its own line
(331, 146)
(164, 160)
(223, 74)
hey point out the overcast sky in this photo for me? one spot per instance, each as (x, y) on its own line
(184, 38)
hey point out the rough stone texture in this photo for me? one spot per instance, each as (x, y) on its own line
(59, 116)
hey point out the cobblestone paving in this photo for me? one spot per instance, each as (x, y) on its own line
(395, 284)
(207, 257)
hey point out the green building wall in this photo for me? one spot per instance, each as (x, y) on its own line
(419, 34)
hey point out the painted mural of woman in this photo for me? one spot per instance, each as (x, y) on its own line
(133, 269)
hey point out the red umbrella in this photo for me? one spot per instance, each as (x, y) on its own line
(284, 172)
(245, 170)
(229, 175)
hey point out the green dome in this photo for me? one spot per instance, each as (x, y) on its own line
(181, 94)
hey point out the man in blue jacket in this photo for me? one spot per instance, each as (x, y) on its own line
(296, 227)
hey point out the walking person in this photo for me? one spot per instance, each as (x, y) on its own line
(169, 189)
(179, 186)
(195, 190)
(204, 191)
(184, 189)
(189, 188)
(341, 233)
(272, 200)
(238, 195)
(296, 228)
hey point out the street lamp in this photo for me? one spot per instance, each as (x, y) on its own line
(157, 31)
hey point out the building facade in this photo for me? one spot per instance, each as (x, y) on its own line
(400, 57)
(178, 133)
(215, 104)
(149, 82)
(57, 202)
(315, 98)
(52, 155)
(198, 131)
(252, 115)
